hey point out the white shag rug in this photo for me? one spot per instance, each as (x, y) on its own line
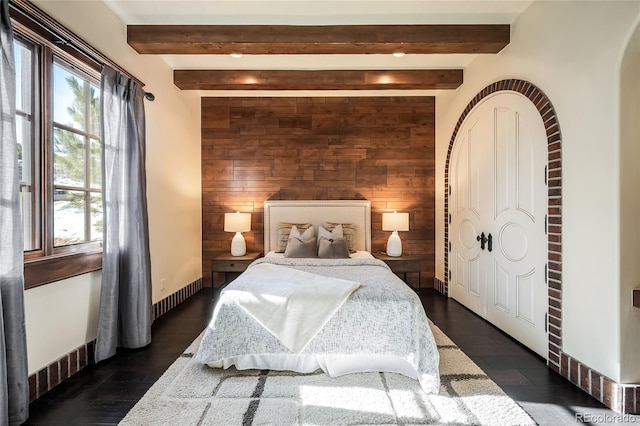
(192, 394)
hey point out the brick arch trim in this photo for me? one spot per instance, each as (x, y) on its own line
(554, 213)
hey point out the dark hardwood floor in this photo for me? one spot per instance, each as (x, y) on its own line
(103, 394)
(545, 395)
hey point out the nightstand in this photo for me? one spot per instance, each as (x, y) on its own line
(401, 264)
(227, 263)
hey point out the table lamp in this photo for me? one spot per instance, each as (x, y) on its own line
(395, 222)
(238, 223)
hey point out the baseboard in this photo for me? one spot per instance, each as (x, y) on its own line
(165, 305)
(622, 398)
(440, 285)
(58, 371)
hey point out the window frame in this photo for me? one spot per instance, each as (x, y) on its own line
(33, 183)
(48, 264)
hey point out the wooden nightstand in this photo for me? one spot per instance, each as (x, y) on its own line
(402, 264)
(227, 263)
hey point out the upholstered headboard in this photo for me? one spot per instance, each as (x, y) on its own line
(317, 212)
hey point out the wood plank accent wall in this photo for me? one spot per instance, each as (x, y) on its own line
(377, 148)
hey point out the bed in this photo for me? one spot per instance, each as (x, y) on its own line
(379, 324)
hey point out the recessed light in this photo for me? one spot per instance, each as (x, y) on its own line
(236, 55)
(398, 54)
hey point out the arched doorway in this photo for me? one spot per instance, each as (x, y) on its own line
(497, 217)
(554, 203)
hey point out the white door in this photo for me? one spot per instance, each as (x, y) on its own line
(498, 200)
(467, 206)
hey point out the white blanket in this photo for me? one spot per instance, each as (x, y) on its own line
(383, 318)
(292, 305)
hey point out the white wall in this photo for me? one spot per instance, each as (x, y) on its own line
(173, 191)
(630, 208)
(60, 317)
(571, 51)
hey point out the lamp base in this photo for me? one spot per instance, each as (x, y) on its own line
(238, 246)
(394, 245)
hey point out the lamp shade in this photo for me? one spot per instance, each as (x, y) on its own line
(237, 222)
(395, 221)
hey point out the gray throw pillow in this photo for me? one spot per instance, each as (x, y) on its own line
(301, 248)
(349, 232)
(333, 249)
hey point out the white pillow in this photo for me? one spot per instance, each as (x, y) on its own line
(307, 234)
(329, 235)
(283, 230)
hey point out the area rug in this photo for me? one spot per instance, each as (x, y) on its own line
(192, 394)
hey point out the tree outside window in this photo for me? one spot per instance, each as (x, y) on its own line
(77, 173)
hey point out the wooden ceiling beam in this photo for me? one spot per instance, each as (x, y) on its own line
(331, 39)
(317, 80)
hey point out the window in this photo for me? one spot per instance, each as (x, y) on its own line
(59, 154)
(28, 141)
(77, 166)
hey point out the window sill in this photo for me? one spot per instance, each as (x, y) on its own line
(49, 269)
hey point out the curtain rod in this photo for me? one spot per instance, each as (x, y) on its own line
(66, 37)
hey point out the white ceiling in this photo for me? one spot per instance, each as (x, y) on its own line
(317, 12)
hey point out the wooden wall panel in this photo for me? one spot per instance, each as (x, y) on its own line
(381, 149)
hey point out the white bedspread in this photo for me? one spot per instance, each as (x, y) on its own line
(292, 305)
(380, 327)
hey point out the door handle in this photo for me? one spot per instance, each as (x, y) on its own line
(488, 240)
(482, 240)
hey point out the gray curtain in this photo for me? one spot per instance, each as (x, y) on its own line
(125, 300)
(14, 380)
